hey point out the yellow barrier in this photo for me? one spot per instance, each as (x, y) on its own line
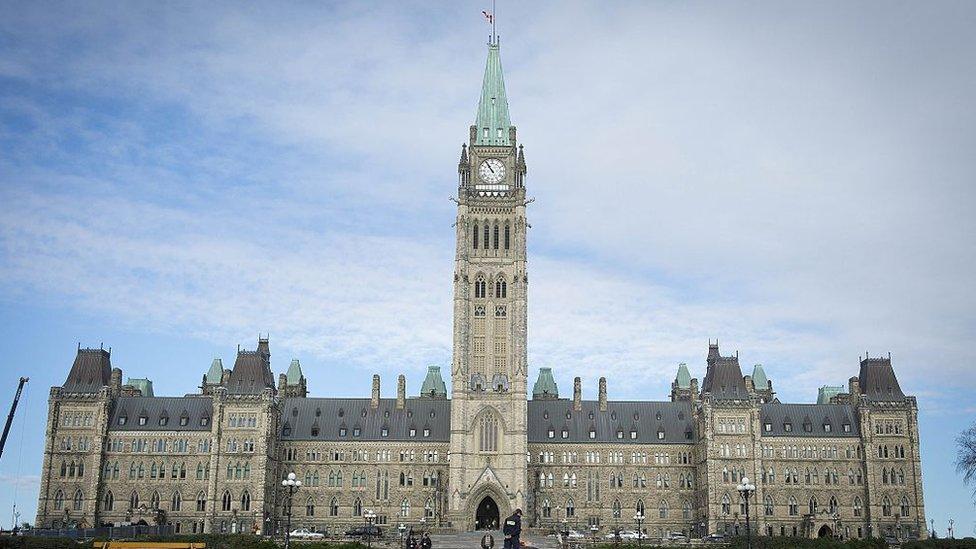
(149, 545)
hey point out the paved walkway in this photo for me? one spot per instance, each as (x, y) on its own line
(472, 540)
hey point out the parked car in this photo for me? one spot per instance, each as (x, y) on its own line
(363, 531)
(632, 534)
(305, 533)
(714, 538)
(677, 536)
(573, 534)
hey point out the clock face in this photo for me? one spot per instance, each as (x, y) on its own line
(492, 171)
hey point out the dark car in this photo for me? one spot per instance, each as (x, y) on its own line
(363, 531)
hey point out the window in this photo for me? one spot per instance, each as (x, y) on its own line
(154, 500)
(794, 509)
(660, 434)
(812, 505)
(122, 420)
(480, 287)
(662, 510)
(616, 509)
(857, 506)
(507, 238)
(488, 441)
(404, 508)
(847, 427)
(494, 243)
(546, 508)
(309, 508)
(886, 507)
(788, 427)
(58, 500)
(201, 501)
(904, 507)
(767, 427)
(245, 501)
(357, 508)
(501, 288)
(334, 508)
(225, 501)
(768, 506)
(474, 237)
(570, 508)
(143, 420)
(726, 505)
(639, 508)
(108, 502)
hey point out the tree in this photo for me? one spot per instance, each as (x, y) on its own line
(966, 456)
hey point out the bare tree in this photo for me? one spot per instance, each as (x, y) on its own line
(966, 456)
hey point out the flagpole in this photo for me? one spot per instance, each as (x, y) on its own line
(493, 12)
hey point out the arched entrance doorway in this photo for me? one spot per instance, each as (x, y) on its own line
(825, 532)
(486, 517)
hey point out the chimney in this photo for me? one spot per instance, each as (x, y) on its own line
(577, 395)
(116, 380)
(401, 392)
(603, 394)
(374, 402)
(282, 382)
(854, 387)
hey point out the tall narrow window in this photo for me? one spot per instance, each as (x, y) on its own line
(507, 236)
(225, 502)
(479, 287)
(77, 501)
(201, 501)
(494, 243)
(108, 502)
(405, 508)
(501, 288)
(474, 237)
(245, 501)
(487, 236)
(309, 508)
(334, 508)
(177, 503)
(489, 433)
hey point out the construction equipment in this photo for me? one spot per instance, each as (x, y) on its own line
(10, 417)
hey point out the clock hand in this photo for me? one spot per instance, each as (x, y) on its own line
(489, 168)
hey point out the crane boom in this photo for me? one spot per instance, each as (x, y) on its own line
(10, 417)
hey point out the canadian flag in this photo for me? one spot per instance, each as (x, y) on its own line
(489, 17)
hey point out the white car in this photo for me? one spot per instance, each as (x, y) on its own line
(573, 534)
(305, 533)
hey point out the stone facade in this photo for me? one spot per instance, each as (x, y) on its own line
(848, 466)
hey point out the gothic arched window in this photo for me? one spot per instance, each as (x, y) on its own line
(639, 508)
(507, 236)
(487, 235)
(501, 288)
(904, 507)
(108, 502)
(832, 505)
(488, 439)
(886, 507)
(662, 510)
(405, 508)
(494, 243)
(58, 500)
(76, 501)
(154, 500)
(616, 509)
(570, 508)
(480, 287)
(474, 237)
(201, 501)
(812, 506)
(768, 504)
(857, 506)
(225, 501)
(245, 501)
(177, 502)
(546, 508)
(357, 508)
(309, 508)
(334, 508)
(794, 508)
(726, 505)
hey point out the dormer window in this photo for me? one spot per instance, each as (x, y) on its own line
(592, 433)
(499, 133)
(356, 431)
(620, 434)
(184, 421)
(486, 133)
(204, 421)
(315, 431)
(808, 427)
(768, 427)
(143, 420)
(847, 427)
(788, 427)
(342, 431)
(122, 420)
(426, 432)
(826, 427)
(552, 434)
(660, 434)
(286, 430)
(633, 435)
(385, 432)
(658, 416)
(413, 432)
(565, 433)
(163, 421)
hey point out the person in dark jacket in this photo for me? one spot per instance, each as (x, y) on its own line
(425, 542)
(513, 530)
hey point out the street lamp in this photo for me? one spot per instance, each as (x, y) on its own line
(639, 518)
(369, 516)
(292, 485)
(746, 488)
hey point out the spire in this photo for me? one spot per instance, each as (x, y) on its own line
(683, 379)
(215, 373)
(433, 386)
(545, 386)
(759, 379)
(294, 375)
(492, 122)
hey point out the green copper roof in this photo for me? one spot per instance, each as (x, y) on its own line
(684, 377)
(433, 383)
(215, 373)
(294, 375)
(493, 106)
(827, 392)
(545, 385)
(144, 385)
(759, 379)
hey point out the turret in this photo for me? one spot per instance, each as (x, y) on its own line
(433, 386)
(545, 386)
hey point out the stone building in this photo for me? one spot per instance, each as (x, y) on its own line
(213, 460)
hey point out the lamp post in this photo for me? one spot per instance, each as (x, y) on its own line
(950, 532)
(292, 485)
(639, 518)
(369, 516)
(746, 488)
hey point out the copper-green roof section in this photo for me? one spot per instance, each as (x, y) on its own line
(493, 121)
(434, 385)
(684, 376)
(294, 374)
(759, 379)
(215, 373)
(545, 385)
(144, 385)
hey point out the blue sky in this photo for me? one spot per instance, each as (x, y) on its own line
(795, 181)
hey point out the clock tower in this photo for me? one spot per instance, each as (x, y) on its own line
(488, 451)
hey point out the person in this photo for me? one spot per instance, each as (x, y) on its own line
(487, 541)
(425, 542)
(513, 530)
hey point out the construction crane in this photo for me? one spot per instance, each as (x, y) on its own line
(10, 417)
